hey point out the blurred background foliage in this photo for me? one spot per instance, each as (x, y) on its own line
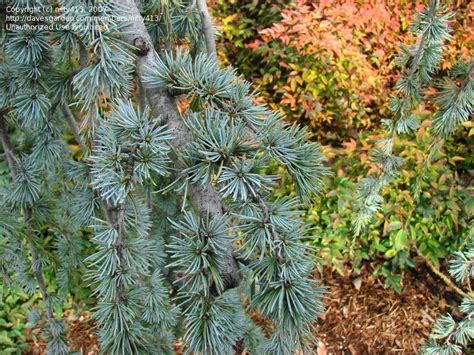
(14, 304)
(330, 65)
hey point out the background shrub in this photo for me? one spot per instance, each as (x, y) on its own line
(439, 220)
(329, 64)
(13, 306)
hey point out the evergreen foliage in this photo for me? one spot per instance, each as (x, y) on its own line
(129, 212)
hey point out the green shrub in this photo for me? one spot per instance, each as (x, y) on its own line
(439, 222)
(239, 24)
(14, 304)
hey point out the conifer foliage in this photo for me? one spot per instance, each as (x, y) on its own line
(136, 168)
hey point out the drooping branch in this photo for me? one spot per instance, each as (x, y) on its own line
(422, 45)
(36, 260)
(72, 122)
(207, 28)
(205, 198)
(7, 147)
(119, 225)
(39, 273)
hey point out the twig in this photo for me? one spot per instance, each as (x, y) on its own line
(7, 147)
(71, 120)
(120, 228)
(263, 204)
(430, 318)
(443, 277)
(39, 272)
(83, 55)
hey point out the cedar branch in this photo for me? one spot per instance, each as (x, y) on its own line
(205, 198)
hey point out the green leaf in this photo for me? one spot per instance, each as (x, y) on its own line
(395, 225)
(390, 253)
(393, 281)
(401, 240)
(5, 339)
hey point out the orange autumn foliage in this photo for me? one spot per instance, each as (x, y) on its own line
(330, 63)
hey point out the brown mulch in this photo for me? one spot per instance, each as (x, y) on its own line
(362, 316)
(81, 336)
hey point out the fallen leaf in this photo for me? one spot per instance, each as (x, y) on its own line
(357, 283)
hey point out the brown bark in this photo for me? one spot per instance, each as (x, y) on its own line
(207, 28)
